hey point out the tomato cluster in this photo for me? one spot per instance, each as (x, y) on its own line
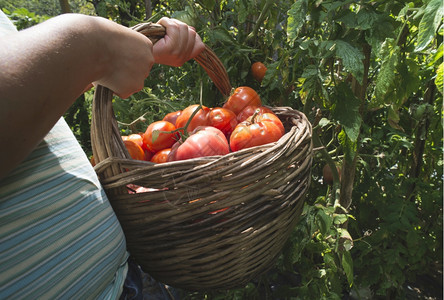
(198, 131)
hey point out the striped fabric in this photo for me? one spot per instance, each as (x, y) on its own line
(6, 26)
(59, 237)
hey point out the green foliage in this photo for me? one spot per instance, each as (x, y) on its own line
(22, 18)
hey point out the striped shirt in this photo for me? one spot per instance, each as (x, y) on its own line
(59, 237)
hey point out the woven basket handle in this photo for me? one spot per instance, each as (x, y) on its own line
(105, 135)
(207, 59)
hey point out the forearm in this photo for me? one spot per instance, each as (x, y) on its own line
(45, 68)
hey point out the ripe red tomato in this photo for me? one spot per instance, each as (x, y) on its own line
(242, 97)
(172, 116)
(258, 71)
(223, 119)
(203, 141)
(199, 119)
(257, 130)
(134, 150)
(161, 156)
(249, 111)
(159, 135)
(268, 117)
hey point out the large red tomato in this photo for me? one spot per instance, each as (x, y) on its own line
(199, 119)
(242, 97)
(172, 116)
(159, 135)
(258, 129)
(203, 141)
(223, 119)
(249, 110)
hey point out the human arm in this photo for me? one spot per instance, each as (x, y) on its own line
(45, 68)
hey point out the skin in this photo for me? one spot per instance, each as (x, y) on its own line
(44, 69)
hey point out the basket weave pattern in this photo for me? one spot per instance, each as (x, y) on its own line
(209, 222)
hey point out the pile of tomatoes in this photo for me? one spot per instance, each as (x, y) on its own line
(198, 131)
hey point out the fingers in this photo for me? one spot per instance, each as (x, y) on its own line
(180, 44)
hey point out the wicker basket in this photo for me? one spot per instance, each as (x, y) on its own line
(210, 222)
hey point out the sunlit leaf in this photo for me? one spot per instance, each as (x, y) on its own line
(429, 24)
(438, 79)
(296, 19)
(389, 55)
(351, 58)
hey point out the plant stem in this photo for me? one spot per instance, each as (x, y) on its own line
(336, 183)
(260, 20)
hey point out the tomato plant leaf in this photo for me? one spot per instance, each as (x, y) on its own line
(312, 85)
(346, 111)
(208, 4)
(220, 34)
(385, 80)
(438, 79)
(296, 19)
(155, 135)
(349, 146)
(393, 118)
(347, 265)
(324, 221)
(271, 75)
(329, 260)
(351, 58)
(432, 18)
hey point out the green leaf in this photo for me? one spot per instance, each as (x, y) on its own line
(429, 23)
(385, 82)
(243, 12)
(155, 135)
(437, 57)
(438, 79)
(349, 146)
(347, 265)
(208, 4)
(346, 111)
(366, 19)
(324, 221)
(329, 260)
(407, 82)
(271, 76)
(220, 34)
(312, 86)
(393, 118)
(184, 16)
(324, 122)
(296, 19)
(351, 58)
(340, 219)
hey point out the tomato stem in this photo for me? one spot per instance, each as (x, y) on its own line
(185, 134)
(253, 117)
